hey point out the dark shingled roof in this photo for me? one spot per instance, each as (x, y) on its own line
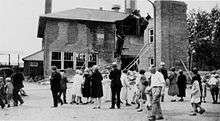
(84, 14)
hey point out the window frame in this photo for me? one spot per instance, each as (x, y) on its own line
(56, 60)
(151, 35)
(68, 60)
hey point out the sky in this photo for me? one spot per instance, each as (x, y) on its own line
(19, 20)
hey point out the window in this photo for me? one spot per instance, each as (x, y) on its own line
(100, 37)
(56, 59)
(68, 60)
(80, 60)
(151, 35)
(33, 64)
(92, 60)
(151, 61)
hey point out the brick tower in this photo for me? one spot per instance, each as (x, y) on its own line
(171, 34)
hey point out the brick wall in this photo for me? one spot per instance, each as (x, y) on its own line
(78, 37)
(171, 43)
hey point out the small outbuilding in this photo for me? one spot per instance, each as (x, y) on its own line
(33, 64)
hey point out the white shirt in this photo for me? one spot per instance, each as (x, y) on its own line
(124, 80)
(213, 81)
(157, 79)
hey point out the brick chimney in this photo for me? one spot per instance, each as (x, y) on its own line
(130, 6)
(116, 7)
(48, 6)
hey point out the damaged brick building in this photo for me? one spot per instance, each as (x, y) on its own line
(84, 37)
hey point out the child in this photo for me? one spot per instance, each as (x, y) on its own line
(76, 89)
(9, 91)
(195, 98)
(141, 85)
(2, 92)
(204, 87)
(106, 82)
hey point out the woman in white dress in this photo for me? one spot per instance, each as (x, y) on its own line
(106, 82)
(77, 86)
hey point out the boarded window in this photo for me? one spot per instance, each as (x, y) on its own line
(56, 59)
(68, 60)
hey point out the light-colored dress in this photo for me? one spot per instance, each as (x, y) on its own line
(195, 92)
(125, 87)
(106, 83)
(77, 85)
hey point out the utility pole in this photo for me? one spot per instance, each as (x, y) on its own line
(9, 59)
(155, 49)
(18, 60)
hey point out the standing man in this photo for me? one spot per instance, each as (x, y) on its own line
(63, 84)
(115, 76)
(163, 70)
(55, 86)
(157, 83)
(213, 82)
(18, 79)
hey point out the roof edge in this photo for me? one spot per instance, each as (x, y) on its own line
(32, 54)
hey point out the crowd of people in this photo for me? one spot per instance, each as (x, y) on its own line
(11, 89)
(143, 88)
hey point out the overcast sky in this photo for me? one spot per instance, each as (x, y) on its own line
(19, 20)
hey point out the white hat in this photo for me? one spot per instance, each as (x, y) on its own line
(114, 63)
(162, 63)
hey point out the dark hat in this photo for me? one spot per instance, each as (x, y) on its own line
(62, 70)
(195, 70)
(54, 68)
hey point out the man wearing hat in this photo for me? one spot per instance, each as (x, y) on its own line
(115, 76)
(213, 82)
(55, 86)
(163, 70)
(157, 83)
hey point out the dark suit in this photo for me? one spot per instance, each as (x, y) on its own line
(18, 84)
(63, 84)
(55, 87)
(115, 76)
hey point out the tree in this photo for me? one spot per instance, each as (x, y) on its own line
(204, 38)
(215, 21)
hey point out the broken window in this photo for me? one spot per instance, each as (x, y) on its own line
(151, 35)
(56, 59)
(68, 60)
(80, 60)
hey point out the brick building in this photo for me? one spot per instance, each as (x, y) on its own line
(171, 36)
(85, 37)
